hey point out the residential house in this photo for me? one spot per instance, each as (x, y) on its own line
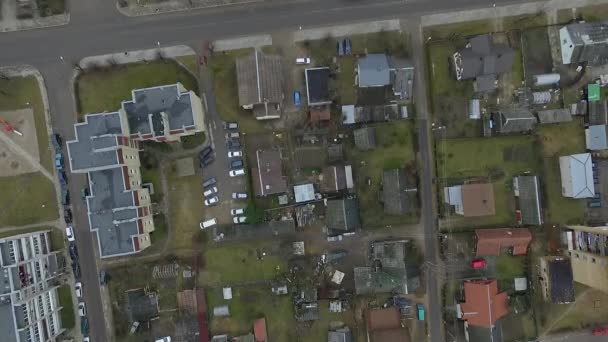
(394, 269)
(260, 84)
(384, 325)
(482, 309)
(471, 200)
(494, 241)
(342, 215)
(29, 303)
(259, 330)
(577, 176)
(551, 116)
(340, 335)
(379, 70)
(402, 78)
(365, 138)
(337, 178)
(483, 61)
(162, 113)
(399, 192)
(317, 86)
(142, 306)
(119, 209)
(596, 137)
(527, 193)
(588, 252)
(598, 112)
(556, 280)
(513, 121)
(267, 173)
(584, 42)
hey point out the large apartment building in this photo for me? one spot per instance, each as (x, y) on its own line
(107, 148)
(29, 304)
(588, 251)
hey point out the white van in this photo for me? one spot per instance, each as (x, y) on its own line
(303, 60)
(209, 223)
(234, 173)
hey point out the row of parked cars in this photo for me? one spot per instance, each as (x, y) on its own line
(57, 142)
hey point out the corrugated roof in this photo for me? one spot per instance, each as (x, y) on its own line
(528, 190)
(491, 241)
(596, 138)
(267, 175)
(373, 70)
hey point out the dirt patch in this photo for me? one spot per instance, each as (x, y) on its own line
(21, 120)
(185, 167)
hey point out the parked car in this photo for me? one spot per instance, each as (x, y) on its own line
(234, 144)
(340, 48)
(84, 328)
(56, 141)
(102, 277)
(303, 60)
(237, 211)
(478, 263)
(239, 219)
(347, 47)
(599, 331)
(86, 339)
(82, 309)
(205, 152)
(239, 195)
(231, 125)
(594, 204)
(212, 201)
(296, 98)
(59, 161)
(237, 164)
(210, 191)
(134, 327)
(233, 154)
(67, 215)
(73, 251)
(78, 289)
(234, 173)
(63, 178)
(69, 232)
(334, 238)
(65, 197)
(209, 223)
(76, 270)
(233, 135)
(207, 161)
(209, 182)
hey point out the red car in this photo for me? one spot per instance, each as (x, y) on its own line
(478, 263)
(202, 60)
(600, 331)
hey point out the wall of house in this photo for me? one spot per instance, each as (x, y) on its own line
(589, 269)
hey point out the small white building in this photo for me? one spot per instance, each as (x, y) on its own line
(577, 176)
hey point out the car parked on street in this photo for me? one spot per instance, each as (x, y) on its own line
(234, 144)
(347, 47)
(78, 289)
(234, 154)
(234, 173)
(204, 153)
(59, 161)
(237, 211)
(239, 195)
(239, 219)
(237, 164)
(57, 141)
(82, 309)
(76, 270)
(67, 215)
(65, 197)
(233, 135)
(207, 161)
(69, 233)
(231, 125)
(297, 100)
(599, 331)
(63, 178)
(210, 191)
(212, 201)
(209, 182)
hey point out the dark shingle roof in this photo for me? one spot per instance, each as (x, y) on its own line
(343, 214)
(365, 138)
(399, 194)
(561, 279)
(529, 200)
(317, 85)
(267, 174)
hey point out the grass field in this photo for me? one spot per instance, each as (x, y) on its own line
(190, 62)
(238, 263)
(496, 159)
(509, 267)
(186, 211)
(104, 90)
(458, 30)
(559, 140)
(346, 80)
(394, 149)
(68, 319)
(223, 68)
(32, 196)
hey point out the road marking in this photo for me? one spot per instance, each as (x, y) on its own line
(205, 102)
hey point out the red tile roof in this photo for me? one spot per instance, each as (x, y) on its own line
(259, 330)
(320, 114)
(483, 305)
(491, 241)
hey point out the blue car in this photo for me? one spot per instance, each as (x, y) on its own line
(296, 98)
(340, 48)
(347, 47)
(59, 161)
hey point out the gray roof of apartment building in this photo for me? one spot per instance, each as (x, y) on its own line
(483, 57)
(111, 212)
(399, 194)
(148, 104)
(550, 116)
(7, 324)
(374, 70)
(515, 120)
(529, 200)
(259, 78)
(96, 133)
(561, 280)
(317, 85)
(596, 137)
(365, 138)
(342, 214)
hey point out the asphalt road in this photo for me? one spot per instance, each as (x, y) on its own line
(97, 28)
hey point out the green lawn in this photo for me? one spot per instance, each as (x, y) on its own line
(50, 7)
(394, 149)
(524, 21)
(57, 239)
(496, 159)
(239, 263)
(318, 330)
(509, 267)
(190, 62)
(186, 211)
(193, 141)
(248, 304)
(458, 30)
(153, 176)
(223, 69)
(559, 140)
(517, 72)
(104, 90)
(346, 80)
(68, 319)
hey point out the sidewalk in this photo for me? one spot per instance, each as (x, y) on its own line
(133, 8)
(136, 56)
